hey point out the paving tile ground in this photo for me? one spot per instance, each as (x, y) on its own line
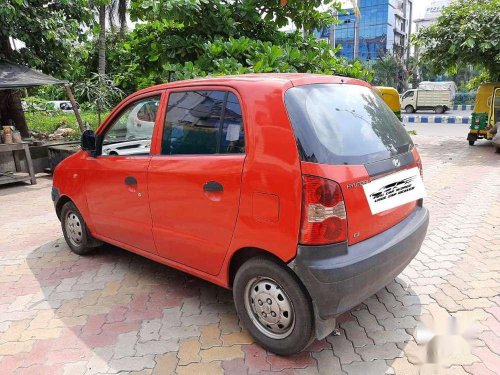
(115, 312)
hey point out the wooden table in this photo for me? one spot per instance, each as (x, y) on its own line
(15, 149)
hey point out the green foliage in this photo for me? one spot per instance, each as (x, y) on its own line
(48, 30)
(389, 71)
(180, 39)
(467, 98)
(171, 40)
(237, 17)
(474, 83)
(100, 92)
(467, 32)
(35, 103)
(44, 122)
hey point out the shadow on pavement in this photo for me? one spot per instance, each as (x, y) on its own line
(123, 312)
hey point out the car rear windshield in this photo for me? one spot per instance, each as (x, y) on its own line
(344, 124)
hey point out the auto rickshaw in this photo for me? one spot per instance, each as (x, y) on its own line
(486, 110)
(391, 97)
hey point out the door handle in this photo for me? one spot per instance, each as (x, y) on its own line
(130, 180)
(212, 186)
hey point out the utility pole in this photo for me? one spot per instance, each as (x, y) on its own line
(356, 39)
(333, 29)
(357, 17)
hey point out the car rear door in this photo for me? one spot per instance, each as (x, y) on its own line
(116, 179)
(194, 179)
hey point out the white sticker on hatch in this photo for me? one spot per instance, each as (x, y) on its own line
(394, 190)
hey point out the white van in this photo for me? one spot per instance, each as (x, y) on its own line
(60, 105)
(437, 100)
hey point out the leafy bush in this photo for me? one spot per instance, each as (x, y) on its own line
(43, 122)
(466, 33)
(181, 39)
(464, 98)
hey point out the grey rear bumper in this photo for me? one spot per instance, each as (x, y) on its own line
(339, 277)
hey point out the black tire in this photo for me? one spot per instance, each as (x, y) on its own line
(498, 150)
(439, 110)
(264, 269)
(471, 142)
(409, 109)
(86, 243)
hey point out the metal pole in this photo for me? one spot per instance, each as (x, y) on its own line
(356, 38)
(357, 15)
(333, 29)
(75, 108)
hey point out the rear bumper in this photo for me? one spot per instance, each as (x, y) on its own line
(339, 277)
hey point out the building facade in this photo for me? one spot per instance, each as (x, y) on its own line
(383, 27)
(432, 13)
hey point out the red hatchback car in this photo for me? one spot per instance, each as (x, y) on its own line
(302, 193)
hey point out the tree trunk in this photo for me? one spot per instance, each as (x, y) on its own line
(122, 16)
(10, 100)
(101, 70)
(12, 109)
(75, 107)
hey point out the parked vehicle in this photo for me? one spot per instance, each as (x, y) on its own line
(60, 105)
(437, 100)
(51, 105)
(391, 97)
(302, 193)
(445, 85)
(495, 131)
(483, 115)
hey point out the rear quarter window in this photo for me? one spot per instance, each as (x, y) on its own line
(344, 124)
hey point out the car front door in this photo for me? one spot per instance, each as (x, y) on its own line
(194, 181)
(116, 179)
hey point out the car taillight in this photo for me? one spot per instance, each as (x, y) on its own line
(419, 165)
(324, 219)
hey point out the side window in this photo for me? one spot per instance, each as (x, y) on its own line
(202, 123)
(131, 132)
(409, 94)
(233, 136)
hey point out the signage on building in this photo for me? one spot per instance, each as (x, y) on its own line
(433, 11)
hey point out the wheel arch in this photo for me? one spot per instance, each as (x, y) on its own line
(63, 199)
(244, 254)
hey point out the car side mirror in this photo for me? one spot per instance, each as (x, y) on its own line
(88, 140)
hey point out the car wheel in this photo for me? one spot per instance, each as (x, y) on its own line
(75, 230)
(273, 306)
(439, 110)
(471, 142)
(409, 109)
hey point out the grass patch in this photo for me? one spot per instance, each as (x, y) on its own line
(412, 132)
(43, 122)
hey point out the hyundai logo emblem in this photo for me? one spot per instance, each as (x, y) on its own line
(396, 163)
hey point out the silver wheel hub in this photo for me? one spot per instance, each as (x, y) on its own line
(74, 229)
(269, 307)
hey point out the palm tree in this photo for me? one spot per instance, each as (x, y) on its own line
(101, 67)
(115, 9)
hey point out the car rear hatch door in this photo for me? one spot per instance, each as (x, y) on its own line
(346, 133)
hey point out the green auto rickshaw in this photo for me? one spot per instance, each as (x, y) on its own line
(486, 112)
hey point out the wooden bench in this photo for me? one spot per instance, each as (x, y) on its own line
(16, 149)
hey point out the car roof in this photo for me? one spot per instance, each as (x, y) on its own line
(283, 80)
